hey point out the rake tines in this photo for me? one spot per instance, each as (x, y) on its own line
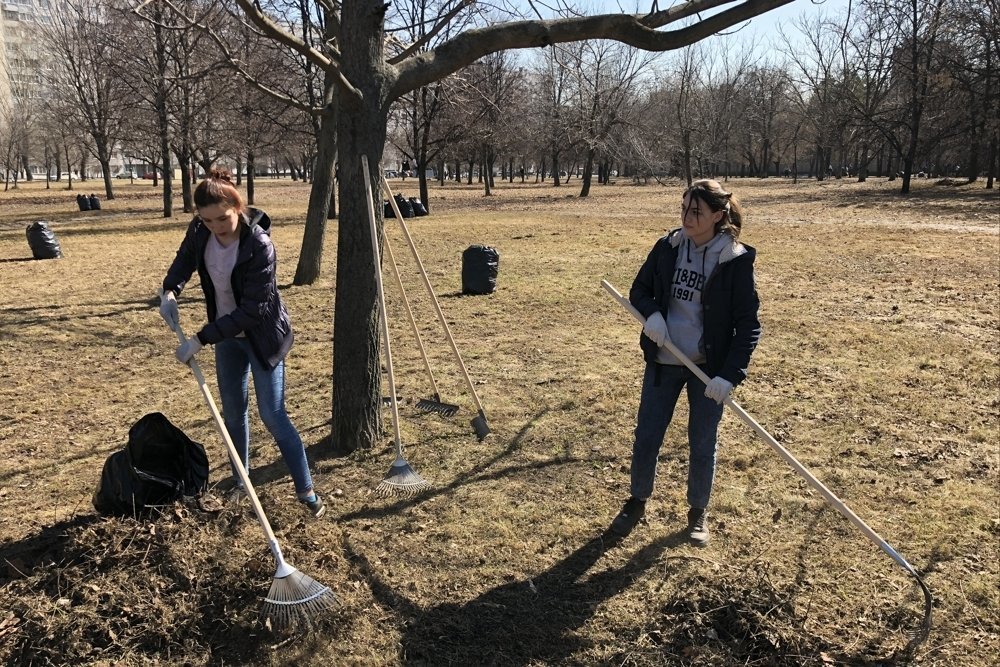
(435, 405)
(295, 599)
(402, 479)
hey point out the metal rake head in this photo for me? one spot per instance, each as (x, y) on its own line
(443, 409)
(401, 479)
(297, 599)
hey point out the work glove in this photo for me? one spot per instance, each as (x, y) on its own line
(186, 350)
(168, 309)
(718, 389)
(656, 329)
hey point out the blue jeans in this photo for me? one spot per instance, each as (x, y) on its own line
(661, 387)
(234, 361)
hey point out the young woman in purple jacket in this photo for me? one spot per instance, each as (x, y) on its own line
(696, 289)
(228, 244)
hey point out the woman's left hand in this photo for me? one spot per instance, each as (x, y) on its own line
(718, 388)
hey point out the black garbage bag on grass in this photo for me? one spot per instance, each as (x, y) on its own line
(42, 241)
(159, 465)
(419, 209)
(83, 202)
(405, 207)
(480, 266)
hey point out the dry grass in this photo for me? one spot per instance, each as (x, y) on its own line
(878, 369)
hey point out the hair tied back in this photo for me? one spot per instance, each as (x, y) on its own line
(221, 175)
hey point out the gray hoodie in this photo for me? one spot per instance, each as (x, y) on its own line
(684, 314)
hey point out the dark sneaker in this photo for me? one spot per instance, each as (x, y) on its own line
(697, 531)
(316, 506)
(630, 515)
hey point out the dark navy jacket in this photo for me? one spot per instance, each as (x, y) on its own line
(260, 313)
(729, 305)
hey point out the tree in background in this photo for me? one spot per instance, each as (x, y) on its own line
(82, 38)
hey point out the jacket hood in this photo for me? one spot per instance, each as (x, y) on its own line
(731, 251)
(254, 217)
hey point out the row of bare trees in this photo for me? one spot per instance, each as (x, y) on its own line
(889, 88)
(893, 86)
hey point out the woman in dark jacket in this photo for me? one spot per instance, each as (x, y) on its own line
(229, 246)
(696, 289)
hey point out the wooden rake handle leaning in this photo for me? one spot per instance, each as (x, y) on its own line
(828, 495)
(401, 477)
(479, 423)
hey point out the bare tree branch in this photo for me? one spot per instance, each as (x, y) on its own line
(275, 32)
(231, 60)
(471, 45)
(417, 45)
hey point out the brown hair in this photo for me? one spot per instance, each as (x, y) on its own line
(711, 192)
(218, 188)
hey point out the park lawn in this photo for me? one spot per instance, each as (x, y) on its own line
(877, 369)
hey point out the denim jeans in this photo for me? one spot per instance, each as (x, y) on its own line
(234, 361)
(661, 387)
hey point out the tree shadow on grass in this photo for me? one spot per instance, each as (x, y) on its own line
(523, 622)
(480, 472)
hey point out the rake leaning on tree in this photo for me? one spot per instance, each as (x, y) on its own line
(228, 244)
(697, 290)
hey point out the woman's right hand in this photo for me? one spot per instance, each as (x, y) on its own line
(168, 309)
(656, 329)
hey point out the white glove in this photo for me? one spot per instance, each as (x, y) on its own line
(187, 349)
(718, 389)
(168, 309)
(656, 329)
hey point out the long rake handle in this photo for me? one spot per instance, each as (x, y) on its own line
(234, 456)
(430, 290)
(409, 315)
(381, 306)
(776, 446)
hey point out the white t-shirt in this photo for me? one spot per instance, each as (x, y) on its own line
(220, 261)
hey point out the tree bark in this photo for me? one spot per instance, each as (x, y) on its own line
(320, 199)
(361, 132)
(588, 166)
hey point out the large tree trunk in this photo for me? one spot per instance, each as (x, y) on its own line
(320, 200)
(361, 132)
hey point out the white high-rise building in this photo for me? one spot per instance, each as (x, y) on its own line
(20, 56)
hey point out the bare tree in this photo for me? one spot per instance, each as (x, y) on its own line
(608, 89)
(81, 36)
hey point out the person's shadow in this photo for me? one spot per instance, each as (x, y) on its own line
(525, 621)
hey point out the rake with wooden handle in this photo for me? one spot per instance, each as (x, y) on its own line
(294, 596)
(401, 478)
(479, 423)
(425, 404)
(827, 494)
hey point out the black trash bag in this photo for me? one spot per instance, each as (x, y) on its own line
(42, 241)
(387, 212)
(418, 207)
(95, 203)
(405, 208)
(480, 265)
(159, 465)
(83, 202)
